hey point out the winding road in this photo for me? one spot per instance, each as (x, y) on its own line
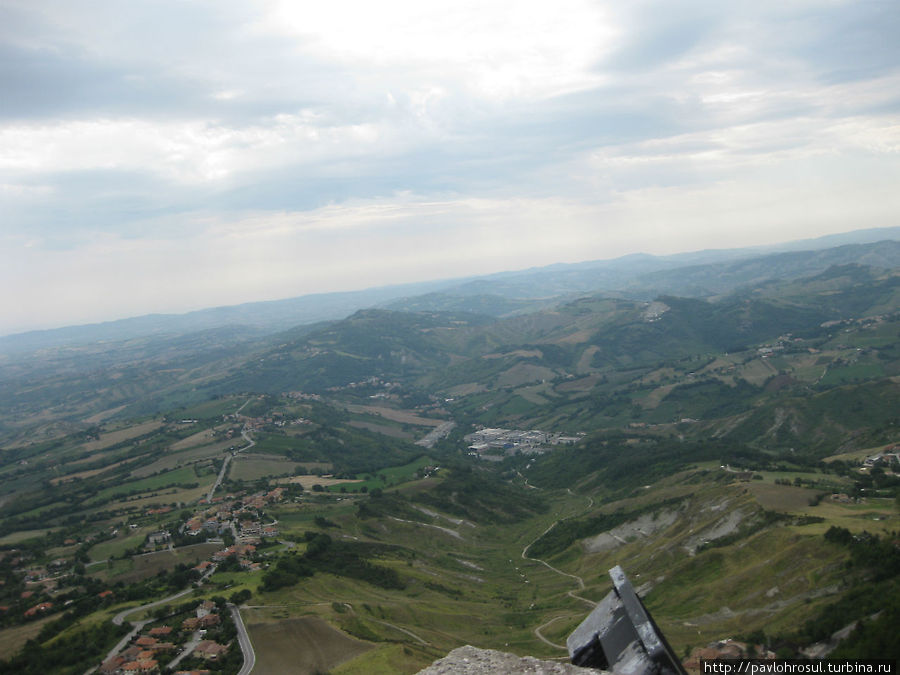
(571, 594)
(224, 470)
(243, 640)
(119, 618)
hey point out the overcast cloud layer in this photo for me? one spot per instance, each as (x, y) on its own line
(168, 155)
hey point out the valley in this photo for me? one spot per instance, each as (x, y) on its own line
(374, 491)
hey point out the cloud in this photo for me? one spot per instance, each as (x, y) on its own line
(350, 143)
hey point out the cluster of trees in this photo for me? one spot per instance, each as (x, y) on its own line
(869, 551)
(481, 496)
(323, 554)
(68, 654)
(872, 600)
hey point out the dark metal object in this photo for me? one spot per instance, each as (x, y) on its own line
(620, 636)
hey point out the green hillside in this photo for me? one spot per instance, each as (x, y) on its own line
(712, 447)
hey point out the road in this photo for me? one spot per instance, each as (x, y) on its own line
(389, 625)
(119, 618)
(571, 594)
(189, 647)
(436, 434)
(243, 641)
(224, 470)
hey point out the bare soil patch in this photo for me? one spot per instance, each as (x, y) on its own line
(308, 481)
(173, 460)
(577, 338)
(524, 373)
(640, 528)
(86, 474)
(305, 645)
(655, 397)
(524, 353)
(403, 416)
(254, 467)
(114, 437)
(100, 416)
(200, 438)
(785, 498)
(581, 384)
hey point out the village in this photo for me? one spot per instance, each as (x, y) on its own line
(195, 635)
(235, 516)
(204, 636)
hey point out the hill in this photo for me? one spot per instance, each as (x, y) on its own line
(396, 483)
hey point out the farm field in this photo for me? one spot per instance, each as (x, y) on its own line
(114, 548)
(146, 565)
(112, 437)
(305, 646)
(251, 467)
(307, 481)
(203, 437)
(24, 535)
(181, 476)
(384, 429)
(193, 455)
(402, 416)
(693, 459)
(13, 639)
(393, 475)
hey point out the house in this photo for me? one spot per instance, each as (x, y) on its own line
(205, 608)
(155, 538)
(38, 609)
(145, 641)
(190, 623)
(112, 665)
(105, 594)
(209, 620)
(130, 653)
(210, 649)
(160, 631)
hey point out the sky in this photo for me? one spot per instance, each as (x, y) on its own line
(171, 155)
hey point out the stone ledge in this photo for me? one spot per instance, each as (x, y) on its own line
(470, 660)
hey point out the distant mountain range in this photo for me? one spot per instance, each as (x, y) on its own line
(700, 274)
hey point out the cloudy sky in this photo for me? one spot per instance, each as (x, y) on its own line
(169, 155)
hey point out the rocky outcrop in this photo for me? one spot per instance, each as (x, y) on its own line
(470, 660)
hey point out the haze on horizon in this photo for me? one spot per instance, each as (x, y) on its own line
(167, 156)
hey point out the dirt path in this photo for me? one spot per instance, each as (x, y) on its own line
(445, 530)
(540, 636)
(224, 470)
(578, 579)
